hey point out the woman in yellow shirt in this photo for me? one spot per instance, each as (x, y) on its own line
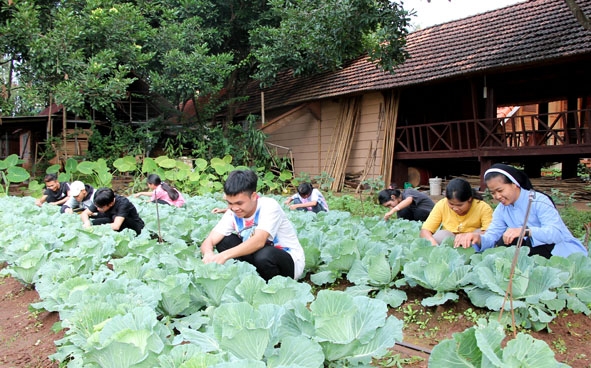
(461, 211)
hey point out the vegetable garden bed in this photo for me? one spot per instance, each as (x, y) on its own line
(369, 284)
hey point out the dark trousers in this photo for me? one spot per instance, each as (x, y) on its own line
(269, 261)
(315, 209)
(544, 250)
(414, 214)
(102, 219)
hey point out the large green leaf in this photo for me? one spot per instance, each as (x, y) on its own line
(17, 174)
(460, 352)
(297, 351)
(86, 167)
(241, 330)
(71, 165)
(149, 165)
(53, 169)
(11, 160)
(222, 166)
(525, 351)
(125, 164)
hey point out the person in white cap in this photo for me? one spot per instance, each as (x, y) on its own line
(545, 233)
(81, 197)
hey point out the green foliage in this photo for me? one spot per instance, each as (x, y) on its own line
(373, 184)
(576, 220)
(324, 181)
(533, 286)
(561, 199)
(312, 36)
(442, 269)
(354, 205)
(227, 313)
(245, 144)
(87, 54)
(302, 177)
(10, 172)
(122, 140)
(481, 346)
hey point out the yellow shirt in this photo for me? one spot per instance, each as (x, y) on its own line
(479, 216)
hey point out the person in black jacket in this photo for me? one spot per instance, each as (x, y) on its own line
(55, 193)
(409, 204)
(113, 209)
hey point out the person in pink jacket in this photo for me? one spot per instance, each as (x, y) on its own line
(162, 192)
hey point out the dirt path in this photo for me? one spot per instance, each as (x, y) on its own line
(26, 339)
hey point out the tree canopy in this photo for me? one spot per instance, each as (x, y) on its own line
(86, 53)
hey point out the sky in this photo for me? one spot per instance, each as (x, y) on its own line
(441, 11)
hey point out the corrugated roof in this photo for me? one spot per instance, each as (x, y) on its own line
(536, 31)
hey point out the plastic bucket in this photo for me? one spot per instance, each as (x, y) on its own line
(435, 186)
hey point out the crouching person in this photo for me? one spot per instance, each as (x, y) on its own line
(254, 229)
(81, 196)
(112, 209)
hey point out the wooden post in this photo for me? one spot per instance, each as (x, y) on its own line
(262, 108)
(64, 126)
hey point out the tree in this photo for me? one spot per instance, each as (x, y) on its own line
(84, 52)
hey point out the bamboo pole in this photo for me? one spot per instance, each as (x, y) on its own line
(342, 139)
(392, 101)
(373, 151)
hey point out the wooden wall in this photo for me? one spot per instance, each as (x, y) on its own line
(310, 139)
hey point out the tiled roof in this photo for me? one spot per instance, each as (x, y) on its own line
(532, 32)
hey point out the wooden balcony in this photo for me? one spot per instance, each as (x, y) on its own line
(554, 134)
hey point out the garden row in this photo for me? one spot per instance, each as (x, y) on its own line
(127, 301)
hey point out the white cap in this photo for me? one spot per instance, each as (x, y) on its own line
(76, 187)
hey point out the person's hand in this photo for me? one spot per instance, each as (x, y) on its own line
(219, 210)
(433, 242)
(466, 240)
(86, 225)
(68, 210)
(212, 257)
(292, 207)
(511, 234)
(136, 195)
(38, 202)
(389, 214)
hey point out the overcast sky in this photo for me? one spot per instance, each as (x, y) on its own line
(441, 11)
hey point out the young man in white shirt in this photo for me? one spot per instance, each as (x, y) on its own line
(255, 230)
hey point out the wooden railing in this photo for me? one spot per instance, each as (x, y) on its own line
(568, 128)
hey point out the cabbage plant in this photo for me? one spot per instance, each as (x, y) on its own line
(481, 346)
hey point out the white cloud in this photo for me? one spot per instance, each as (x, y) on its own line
(441, 11)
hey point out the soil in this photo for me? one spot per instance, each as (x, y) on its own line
(26, 338)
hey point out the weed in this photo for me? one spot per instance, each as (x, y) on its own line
(432, 333)
(471, 315)
(395, 360)
(449, 316)
(410, 315)
(559, 345)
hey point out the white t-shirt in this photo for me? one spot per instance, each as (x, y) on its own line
(315, 196)
(273, 220)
